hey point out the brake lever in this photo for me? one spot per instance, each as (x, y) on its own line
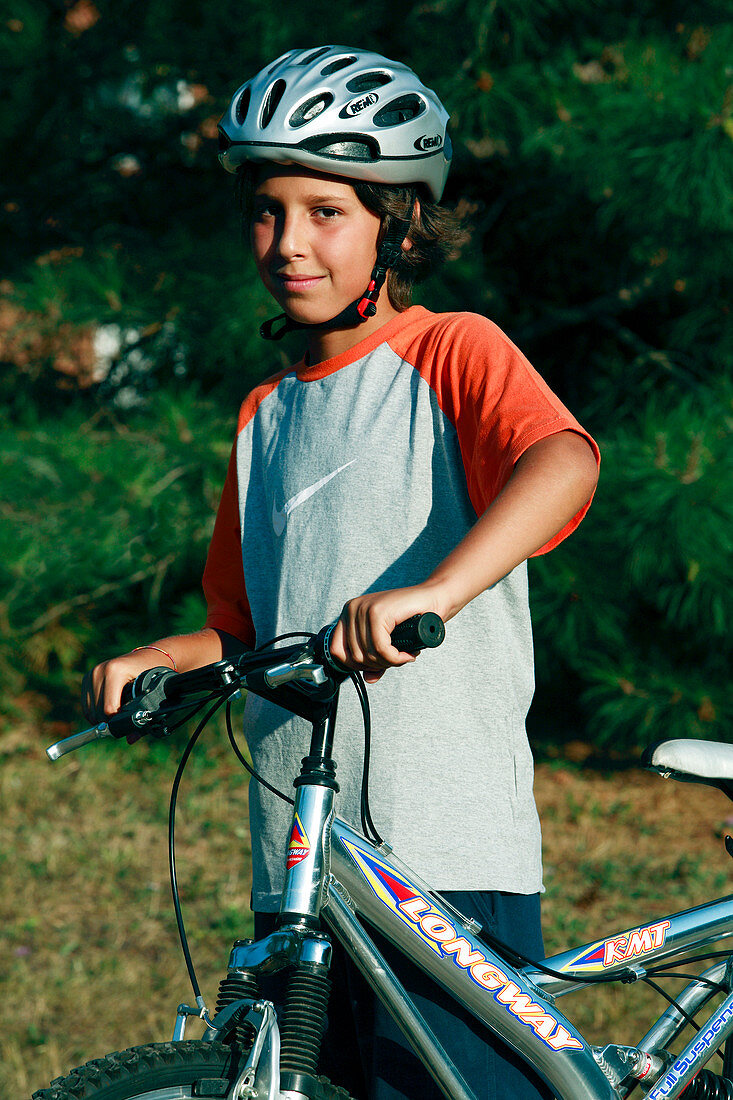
(138, 713)
(77, 740)
(304, 670)
(150, 691)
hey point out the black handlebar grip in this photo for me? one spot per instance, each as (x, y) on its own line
(142, 683)
(424, 631)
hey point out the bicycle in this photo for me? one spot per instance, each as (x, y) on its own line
(347, 880)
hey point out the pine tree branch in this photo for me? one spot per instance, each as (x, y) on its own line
(602, 309)
(83, 598)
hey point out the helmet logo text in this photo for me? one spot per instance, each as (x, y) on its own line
(428, 141)
(360, 104)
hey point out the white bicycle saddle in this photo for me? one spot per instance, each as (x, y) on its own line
(692, 761)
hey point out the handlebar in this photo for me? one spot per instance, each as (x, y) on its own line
(290, 671)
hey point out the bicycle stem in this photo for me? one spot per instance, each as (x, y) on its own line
(307, 859)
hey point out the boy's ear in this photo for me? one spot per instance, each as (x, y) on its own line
(407, 243)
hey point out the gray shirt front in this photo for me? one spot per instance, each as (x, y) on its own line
(352, 477)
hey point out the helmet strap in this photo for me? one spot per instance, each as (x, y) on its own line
(389, 251)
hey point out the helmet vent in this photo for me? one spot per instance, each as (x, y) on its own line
(311, 109)
(240, 111)
(400, 110)
(365, 82)
(269, 107)
(280, 62)
(314, 55)
(334, 66)
(346, 149)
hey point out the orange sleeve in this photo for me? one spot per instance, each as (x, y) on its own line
(223, 580)
(499, 405)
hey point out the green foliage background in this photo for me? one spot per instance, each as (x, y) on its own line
(594, 159)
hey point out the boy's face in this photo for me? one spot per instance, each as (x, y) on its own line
(313, 241)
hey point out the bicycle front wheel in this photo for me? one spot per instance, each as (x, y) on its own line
(189, 1070)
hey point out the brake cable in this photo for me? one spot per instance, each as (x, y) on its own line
(245, 763)
(172, 850)
(689, 1020)
(228, 718)
(367, 824)
(284, 638)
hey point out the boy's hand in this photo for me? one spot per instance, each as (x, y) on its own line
(361, 637)
(101, 689)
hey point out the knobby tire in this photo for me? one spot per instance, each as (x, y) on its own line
(189, 1070)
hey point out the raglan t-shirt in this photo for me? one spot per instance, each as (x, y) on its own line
(361, 474)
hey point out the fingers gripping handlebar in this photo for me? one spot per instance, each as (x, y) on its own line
(304, 668)
(148, 700)
(149, 686)
(420, 632)
(424, 631)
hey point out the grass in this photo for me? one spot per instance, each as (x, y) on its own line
(90, 954)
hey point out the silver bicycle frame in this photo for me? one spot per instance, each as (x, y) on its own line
(333, 872)
(518, 1005)
(690, 928)
(341, 876)
(378, 887)
(515, 1003)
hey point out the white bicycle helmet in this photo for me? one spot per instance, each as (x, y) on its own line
(352, 113)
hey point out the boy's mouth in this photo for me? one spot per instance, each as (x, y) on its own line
(299, 282)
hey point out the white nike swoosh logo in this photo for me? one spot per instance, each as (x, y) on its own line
(280, 515)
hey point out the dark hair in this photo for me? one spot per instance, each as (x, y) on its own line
(435, 232)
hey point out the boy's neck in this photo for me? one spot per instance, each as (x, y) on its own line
(329, 344)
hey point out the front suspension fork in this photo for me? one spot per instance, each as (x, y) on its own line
(298, 943)
(307, 952)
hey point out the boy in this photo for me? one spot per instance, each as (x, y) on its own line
(410, 462)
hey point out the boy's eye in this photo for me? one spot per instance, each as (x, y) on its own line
(328, 213)
(264, 210)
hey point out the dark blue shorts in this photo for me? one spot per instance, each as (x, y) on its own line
(364, 1051)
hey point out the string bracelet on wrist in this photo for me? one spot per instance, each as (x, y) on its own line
(158, 650)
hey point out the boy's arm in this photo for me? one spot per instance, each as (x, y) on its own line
(102, 687)
(549, 485)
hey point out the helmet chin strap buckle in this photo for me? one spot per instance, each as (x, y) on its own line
(367, 307)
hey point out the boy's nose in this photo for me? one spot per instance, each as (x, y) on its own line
(292, 241)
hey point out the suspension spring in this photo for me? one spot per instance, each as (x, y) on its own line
(237, 987)
(708, 1086)
(304, 1019)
